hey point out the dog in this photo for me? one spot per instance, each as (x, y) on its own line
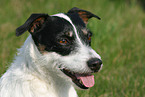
(55, 59)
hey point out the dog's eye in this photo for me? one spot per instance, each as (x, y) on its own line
(89, 38)
(63, 41)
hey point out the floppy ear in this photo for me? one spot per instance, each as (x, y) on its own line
(33, 23)
(85, 15)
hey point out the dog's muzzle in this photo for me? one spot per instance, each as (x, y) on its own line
(94, 64)
(84, 80)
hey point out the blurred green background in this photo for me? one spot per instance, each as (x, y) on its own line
(119, 38)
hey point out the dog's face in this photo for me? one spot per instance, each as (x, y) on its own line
(67, 39)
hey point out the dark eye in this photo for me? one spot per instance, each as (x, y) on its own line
(63, 41)
(89, 36)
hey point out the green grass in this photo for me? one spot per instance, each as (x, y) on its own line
(119, 38)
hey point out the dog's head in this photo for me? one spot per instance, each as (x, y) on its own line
(67, 39)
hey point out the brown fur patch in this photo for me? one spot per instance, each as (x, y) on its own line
(42, 48)
(70, 34)
(84, 16)
(38, 22)
(85, 31)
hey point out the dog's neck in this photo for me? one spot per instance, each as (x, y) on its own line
(44, 84)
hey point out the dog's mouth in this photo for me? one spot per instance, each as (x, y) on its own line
(84, 81)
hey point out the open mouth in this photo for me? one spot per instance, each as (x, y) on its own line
(84, 81)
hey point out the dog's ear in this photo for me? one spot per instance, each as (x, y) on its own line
(85, 15)
(33, 23)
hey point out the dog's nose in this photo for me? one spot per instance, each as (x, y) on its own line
(94, 64)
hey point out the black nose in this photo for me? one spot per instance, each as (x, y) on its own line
(94, 64)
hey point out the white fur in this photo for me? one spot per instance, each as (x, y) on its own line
(33, 74)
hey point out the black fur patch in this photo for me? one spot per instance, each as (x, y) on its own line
(55, 34)
(53, 31)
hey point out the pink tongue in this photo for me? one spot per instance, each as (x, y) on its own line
(88, 80)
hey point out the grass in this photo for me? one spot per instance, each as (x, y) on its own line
(119, 38)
